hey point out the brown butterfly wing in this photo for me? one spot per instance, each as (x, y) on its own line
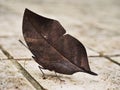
(73, 50)
(52, 49)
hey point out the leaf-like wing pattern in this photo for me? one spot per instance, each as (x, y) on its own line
(51, 47)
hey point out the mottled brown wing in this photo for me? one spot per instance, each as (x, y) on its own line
(73, 50)
(51, 48)
(44, 53)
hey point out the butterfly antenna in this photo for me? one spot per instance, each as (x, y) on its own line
(23, 44)
(26, 47)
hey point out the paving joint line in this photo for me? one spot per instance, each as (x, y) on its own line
(112, 60)
(116, 55)
(35, 84)
(108, 57)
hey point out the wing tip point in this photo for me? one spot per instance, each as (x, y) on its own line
(92, 73)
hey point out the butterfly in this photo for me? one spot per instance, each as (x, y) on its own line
(51, 47)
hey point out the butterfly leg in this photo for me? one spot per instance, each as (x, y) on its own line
(43, 74)
(59, 78)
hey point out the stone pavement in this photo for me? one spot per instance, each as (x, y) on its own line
(96, 23)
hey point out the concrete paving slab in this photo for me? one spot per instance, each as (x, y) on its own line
(11, 79)
(107, 79)
(15, 48)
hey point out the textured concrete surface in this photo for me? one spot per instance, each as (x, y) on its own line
(11, 79)
(96, 23)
